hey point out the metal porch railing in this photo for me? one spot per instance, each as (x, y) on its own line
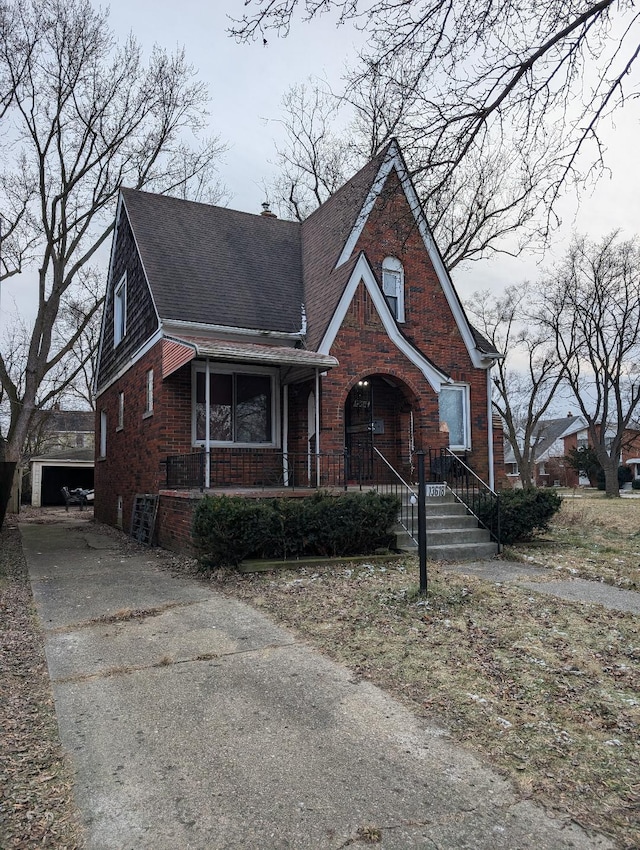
(256, 469)
(479, 499)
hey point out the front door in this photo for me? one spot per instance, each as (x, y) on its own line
(359, 431)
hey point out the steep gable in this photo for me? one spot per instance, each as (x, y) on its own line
(324, 234)
(337, 227)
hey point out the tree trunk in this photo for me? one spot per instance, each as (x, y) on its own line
(7, 474)
(612, 487)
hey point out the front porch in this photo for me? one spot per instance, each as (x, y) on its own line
(453, 495)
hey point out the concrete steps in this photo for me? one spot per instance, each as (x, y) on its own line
(452, 533)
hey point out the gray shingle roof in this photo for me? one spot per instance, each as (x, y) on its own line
(186, 247)
(324, 234)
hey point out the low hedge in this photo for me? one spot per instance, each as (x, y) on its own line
(228, 529)
(523, 513)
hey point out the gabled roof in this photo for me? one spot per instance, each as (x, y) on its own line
(324, 234)
(547, 432)
(185, 246)
(66, 421)
(208, 265)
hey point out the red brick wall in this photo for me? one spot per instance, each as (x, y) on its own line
(364, 349)
(173, 524)
(132, 462)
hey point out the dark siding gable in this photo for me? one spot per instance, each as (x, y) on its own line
(142, 321)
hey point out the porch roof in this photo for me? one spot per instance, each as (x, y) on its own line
(245, 352)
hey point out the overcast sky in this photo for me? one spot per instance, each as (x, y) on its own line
(247, 81)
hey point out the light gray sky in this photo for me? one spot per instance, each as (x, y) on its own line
(247, 81)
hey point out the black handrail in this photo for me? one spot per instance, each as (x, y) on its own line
(388, 481)
(470, 490)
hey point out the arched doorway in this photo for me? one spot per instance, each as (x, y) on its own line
(379, 411)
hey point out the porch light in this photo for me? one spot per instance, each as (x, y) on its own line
(363, 383)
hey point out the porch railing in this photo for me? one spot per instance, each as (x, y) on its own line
(257, 469)
(479, 499)
(186, 471)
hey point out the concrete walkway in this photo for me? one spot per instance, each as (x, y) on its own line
(572, 589)
(197, 723)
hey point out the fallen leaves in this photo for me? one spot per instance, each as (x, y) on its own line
(36, 806)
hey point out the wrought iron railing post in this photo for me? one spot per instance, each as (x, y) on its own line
(422, 524)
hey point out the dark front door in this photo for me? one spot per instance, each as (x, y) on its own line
(359, 431)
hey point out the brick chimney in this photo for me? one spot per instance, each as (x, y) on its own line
(266, 212)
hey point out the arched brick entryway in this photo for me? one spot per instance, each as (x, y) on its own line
(380, 410)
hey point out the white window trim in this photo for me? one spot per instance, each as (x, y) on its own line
(120, 310)
(466, 416)
(148, 394)
(393, 264)
(226, 369)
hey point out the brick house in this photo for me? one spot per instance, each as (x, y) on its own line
(268, 351)
(552, 441)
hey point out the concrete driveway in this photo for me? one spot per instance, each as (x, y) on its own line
(193, 721)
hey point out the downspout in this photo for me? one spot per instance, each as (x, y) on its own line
(285, 435)
(492, 483)
(317, 428)
(207, 425)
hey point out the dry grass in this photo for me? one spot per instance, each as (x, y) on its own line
(36, 804)
(548, 691)
(592, 537)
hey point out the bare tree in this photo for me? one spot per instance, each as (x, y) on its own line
(527, 379)
(590, 309)
(470, 212)
(461, 80)
(81, 116)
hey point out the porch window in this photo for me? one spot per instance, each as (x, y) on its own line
(241, 408)
(454, 410)
(393, 286)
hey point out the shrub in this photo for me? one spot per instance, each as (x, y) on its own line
(523, 513)
(624, 476)
(635, 484)
(228, 529)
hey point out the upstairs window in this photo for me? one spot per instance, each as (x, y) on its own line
(120, 310)
(454, 411)
(393, 286)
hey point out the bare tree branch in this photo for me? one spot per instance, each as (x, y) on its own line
(82, 117)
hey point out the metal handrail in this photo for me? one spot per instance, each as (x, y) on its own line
(407, 517)
(470, 490)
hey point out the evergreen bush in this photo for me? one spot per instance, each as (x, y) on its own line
(523, 513)
(228, 529)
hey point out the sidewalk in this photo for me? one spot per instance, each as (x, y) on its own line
(195, 722)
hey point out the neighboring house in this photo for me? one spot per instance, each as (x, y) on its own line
(282, 352)
(552, 440)
(60, 454)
